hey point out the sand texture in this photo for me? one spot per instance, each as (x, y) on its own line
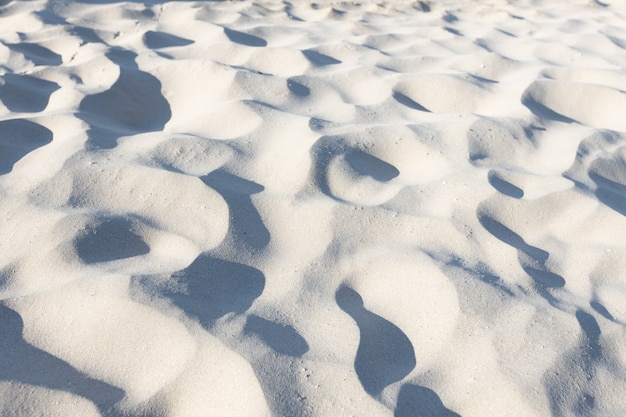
(313, 209)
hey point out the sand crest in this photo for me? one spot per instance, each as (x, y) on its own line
(270, 208)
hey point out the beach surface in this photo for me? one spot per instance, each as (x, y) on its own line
(313, 209)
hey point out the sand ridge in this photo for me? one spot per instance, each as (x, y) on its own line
(330, 208)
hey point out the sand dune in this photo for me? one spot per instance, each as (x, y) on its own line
(270, 208)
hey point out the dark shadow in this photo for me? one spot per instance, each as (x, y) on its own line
(246, 225)
(244, 38)
(26, 94)
(319, 59)
(544, 278)
(452, 31)
(385, 354)
(289, 12)
(619, 42)
(48, 17)
(482, 273)
(215, 287)
(542, 111)
(566, 396)
(570, 383)
(491, 279)
(18, 138)
(506, 32)
(600, 309)
(424, 6)
(37, 54)
(145, 2)
(283, 339)
(610, 193)
(530, 130)
(478, 80)
(417, 401)
(102, 138)
(109, 240)
(449, 17)
(607, 184)
(483, 44)
(156, 40)
(592, 332)
(511, 238)
(328, 148)
(24, 363)
(86, 34)
(504, 186)
(531, 259)
(318, 125)
(366, 164)
(586, 405)
(322, 153)
(337, 13)
(298, 89)
(134, 104)
(407, 101)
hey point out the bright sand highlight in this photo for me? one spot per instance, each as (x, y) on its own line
(268, 208)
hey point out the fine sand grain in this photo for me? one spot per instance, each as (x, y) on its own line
(313, 209)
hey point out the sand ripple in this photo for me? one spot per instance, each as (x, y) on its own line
(257, 208)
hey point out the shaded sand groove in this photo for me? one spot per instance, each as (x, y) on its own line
(274, 208)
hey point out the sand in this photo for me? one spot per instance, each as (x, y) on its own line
(271, 208)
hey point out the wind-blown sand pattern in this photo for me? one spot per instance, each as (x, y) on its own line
(273, 208)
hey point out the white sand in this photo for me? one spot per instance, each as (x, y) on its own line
(266, 208)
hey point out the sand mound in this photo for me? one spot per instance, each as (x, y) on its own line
(263, 208)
